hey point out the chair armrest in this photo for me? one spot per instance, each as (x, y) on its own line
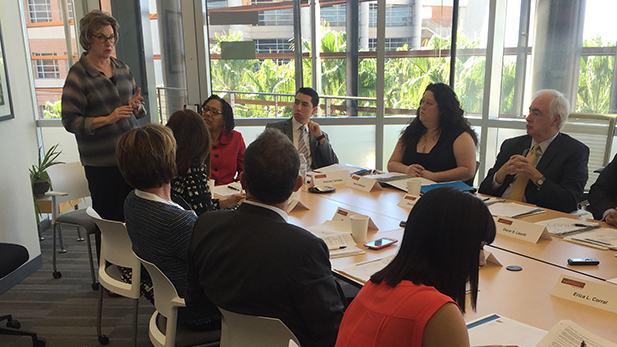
(178, 302)
(54, 193)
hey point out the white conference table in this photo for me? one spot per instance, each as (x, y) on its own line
(523, 296)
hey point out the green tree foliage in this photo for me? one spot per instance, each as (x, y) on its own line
(405, 78)
(595, 79)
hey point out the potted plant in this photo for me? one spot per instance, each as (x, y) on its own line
(38, 175)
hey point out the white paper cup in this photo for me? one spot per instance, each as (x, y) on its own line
(413, 186)
(359, 227)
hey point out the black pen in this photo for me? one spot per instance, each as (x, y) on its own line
(402, 224)
(233, 188)
(337, 248)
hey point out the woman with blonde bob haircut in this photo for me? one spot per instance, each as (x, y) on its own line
(160, 229)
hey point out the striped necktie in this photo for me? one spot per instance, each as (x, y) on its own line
(303, 142)
(518, 188)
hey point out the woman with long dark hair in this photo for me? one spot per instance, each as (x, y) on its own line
(193, 162)
(438, 144)
(418, 299)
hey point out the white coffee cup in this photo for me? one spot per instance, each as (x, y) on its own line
(414, 186)
(359, 227)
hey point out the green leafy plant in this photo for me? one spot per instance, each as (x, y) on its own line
(38, 172)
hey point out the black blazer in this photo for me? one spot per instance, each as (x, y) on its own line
(321, 155)
(603, 193)
(564, 164)
(251, 261)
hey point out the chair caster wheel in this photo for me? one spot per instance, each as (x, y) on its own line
(57, 274)
(103, 340)
(79, 239)
(40, 342)
(95, 286)
(13, 323)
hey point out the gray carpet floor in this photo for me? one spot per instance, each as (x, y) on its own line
(64, 310)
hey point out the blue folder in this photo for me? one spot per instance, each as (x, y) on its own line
(456, 184)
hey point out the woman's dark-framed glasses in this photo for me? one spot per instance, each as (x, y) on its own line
(213, 111)
(102, 38)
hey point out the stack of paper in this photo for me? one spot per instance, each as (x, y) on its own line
(227, 190)
(397, 180)
(567, 226)
(337, 236)
(512, 210)
(363, 271)
(604, 238)
(498, 330)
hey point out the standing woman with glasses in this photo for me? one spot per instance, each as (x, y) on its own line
(100, 102)
(227, 158)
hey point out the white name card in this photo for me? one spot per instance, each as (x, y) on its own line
(363, 183)
(294, 203)
(330, 178)
(343, 214)
(599, 295)
(490, 258)
(408, 201)
(522, 230)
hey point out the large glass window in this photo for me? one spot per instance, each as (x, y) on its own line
(47, 68)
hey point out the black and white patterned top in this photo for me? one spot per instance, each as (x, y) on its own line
(193, 188)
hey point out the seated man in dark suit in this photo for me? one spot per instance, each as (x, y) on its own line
(251, 261)
(545, 167)
(603, 195)
(302, 130)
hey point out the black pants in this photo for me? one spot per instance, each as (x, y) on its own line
(108, 189)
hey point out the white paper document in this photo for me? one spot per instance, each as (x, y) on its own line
(338, 167)
(397, 180)
(337, 236)
(566, 333)
(363, 271)
(567, 226)
(227, 190)
(603, 237)
(498, 330)
(512, 210)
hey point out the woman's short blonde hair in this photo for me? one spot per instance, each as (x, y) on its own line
(92, 23)
(147, 156)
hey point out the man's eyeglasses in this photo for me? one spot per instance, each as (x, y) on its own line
(213, 111)
(102, 38)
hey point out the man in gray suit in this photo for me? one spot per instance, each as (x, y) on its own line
(302, 130)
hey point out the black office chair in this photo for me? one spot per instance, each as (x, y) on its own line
(13, 256)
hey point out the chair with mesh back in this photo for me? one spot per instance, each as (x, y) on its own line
(69, 183)
(245, 330)
(164, 330)
(116, 249)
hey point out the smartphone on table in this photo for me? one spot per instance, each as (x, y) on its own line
(380, 243)
(583, 261)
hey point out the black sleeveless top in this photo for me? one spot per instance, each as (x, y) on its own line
(440, 158)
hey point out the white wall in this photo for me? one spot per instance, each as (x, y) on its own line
(18, 139)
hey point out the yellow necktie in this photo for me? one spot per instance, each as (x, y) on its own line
(518, 188)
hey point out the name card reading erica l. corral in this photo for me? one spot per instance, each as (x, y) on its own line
(363, 183)
(408, 201)
(522, 230)
(600, 295)
(330, 178)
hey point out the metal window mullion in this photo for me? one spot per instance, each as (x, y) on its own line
(298, 44)
(380, 83)
(493, 72)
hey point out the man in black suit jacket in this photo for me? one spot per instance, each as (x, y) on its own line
(251, 261)
(558, 176)
(603, 195)
(320, 150)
